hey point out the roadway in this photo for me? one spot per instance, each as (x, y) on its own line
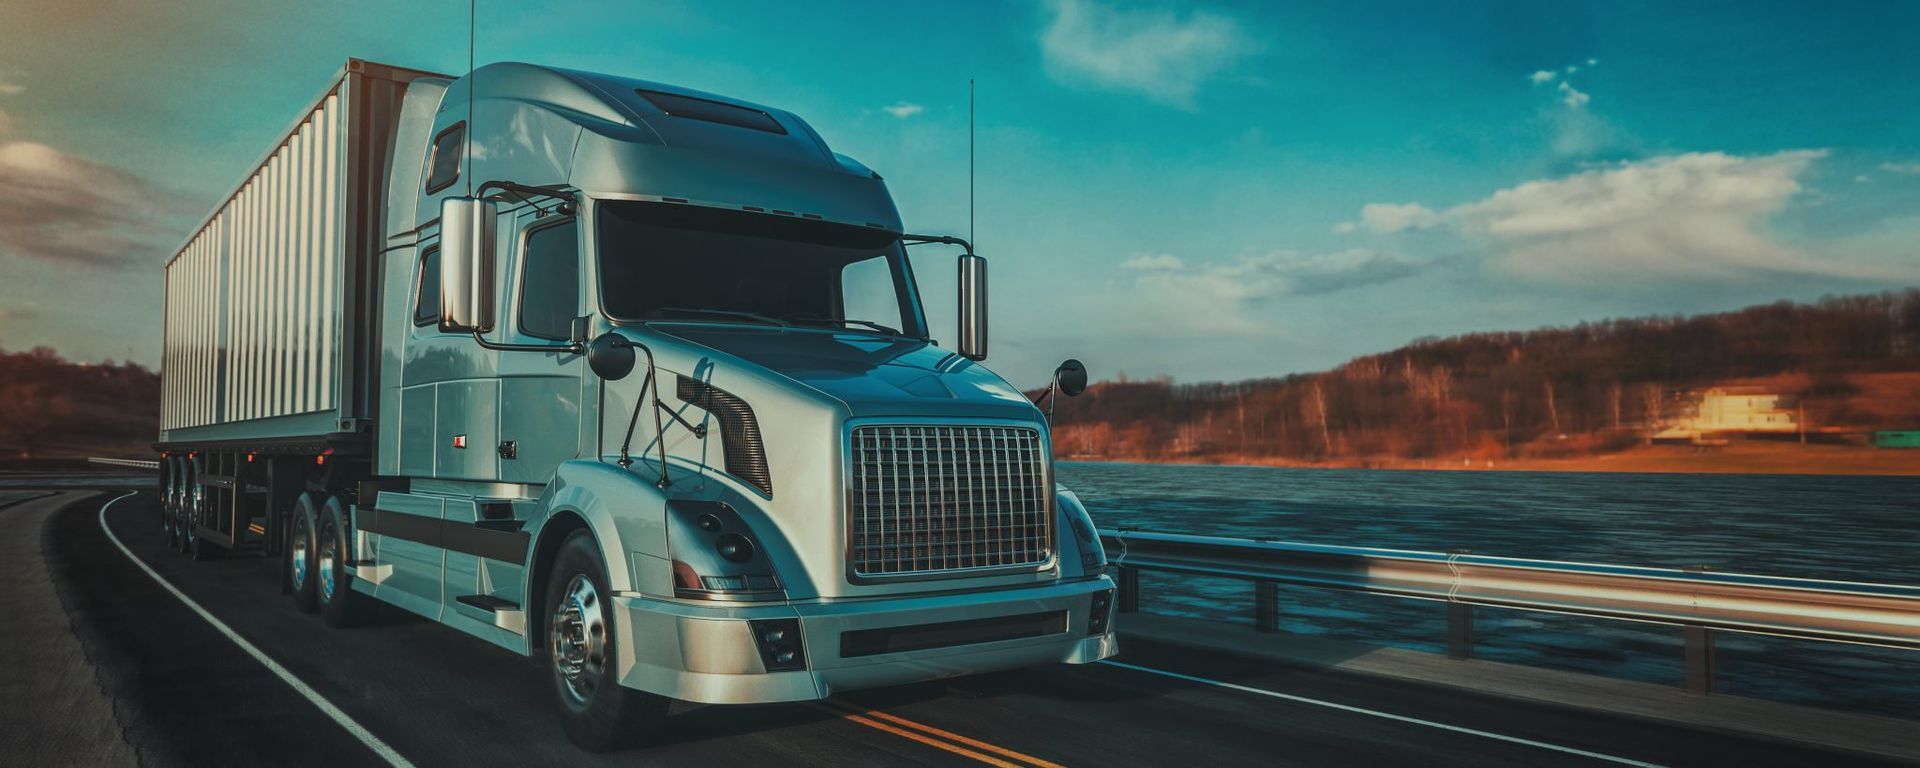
(112, 667)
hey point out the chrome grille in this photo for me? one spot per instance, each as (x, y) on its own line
(947, 498)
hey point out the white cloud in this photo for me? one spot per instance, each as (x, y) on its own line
(1163, 294)
(1861, 179)
(1907, 168)
(1346, 228)
(1161, 54)
(10, 84)
(1154, 263)
(1392, 217)
(1574, 99)
(20, 313)
(66, 209)
(1271, 275)
(1695, 217)
(903, 110)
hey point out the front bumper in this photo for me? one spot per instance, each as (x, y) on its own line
(705, 652)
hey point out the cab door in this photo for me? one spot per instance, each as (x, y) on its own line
(539, 426)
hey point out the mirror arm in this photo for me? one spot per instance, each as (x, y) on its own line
(650, 393)
(571, 347)
(945, 239)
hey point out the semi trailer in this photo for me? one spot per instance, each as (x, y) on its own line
(629, 379)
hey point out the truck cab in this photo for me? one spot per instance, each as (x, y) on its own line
(658, 404)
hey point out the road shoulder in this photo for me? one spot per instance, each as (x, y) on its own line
(57, 709)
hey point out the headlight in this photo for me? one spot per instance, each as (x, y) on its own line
(715, 556)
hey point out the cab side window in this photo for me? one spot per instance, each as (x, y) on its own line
(426, 304)
(443, 167)
(550, 282)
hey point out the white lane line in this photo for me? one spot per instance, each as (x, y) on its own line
(359, 731)
(1385, 715)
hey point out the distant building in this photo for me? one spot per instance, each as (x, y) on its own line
(1731, 410)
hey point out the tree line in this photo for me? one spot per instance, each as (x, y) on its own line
(49, 405)
(1587, 388)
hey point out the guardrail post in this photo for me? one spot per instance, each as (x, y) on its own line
(1700, 661)
(1129, 590)
(1459, 631)
(1266, 606)
(1459, 623)
(1699, 640)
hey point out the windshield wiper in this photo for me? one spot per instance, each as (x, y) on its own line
(754, 316)
(844, 321)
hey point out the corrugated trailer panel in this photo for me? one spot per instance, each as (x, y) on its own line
(267, 303)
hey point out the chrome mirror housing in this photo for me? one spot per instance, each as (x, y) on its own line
(973, 307)
(467, 247)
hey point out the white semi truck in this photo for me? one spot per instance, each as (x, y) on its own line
(630, 379)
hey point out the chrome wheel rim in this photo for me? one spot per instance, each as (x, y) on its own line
(326, 569)
(298, 560)
(189, 527)
(579, 640)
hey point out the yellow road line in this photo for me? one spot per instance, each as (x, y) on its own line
(930, 735)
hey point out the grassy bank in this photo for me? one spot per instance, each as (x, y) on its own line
(1764, 458)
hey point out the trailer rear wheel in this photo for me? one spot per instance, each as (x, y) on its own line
(301, 555)
(340, 606)
(596, 711)
(189, 517)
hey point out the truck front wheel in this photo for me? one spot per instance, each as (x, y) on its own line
(597, 713)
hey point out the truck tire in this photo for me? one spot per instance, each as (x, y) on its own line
(301, 555)
(597, 713)
(170, 503)
(190, 518)
(340, 606)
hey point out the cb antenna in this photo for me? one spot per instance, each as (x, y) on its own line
(467, 153)
(970, 159)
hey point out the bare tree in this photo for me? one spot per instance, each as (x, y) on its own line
(1614, 395)
(1553, 411)
(1318, 412)
(1651, 399)
(28, 410)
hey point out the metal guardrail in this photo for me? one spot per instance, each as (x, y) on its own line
(1699, 600)
(135, 463)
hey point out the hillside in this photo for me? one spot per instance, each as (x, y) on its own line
(1841, 368)
(53, 408)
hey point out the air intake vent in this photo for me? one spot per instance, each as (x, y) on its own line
(712, 111)
(746, 452)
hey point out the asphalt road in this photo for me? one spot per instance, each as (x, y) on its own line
(175, 691)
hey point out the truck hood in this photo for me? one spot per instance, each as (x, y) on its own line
(872, 375)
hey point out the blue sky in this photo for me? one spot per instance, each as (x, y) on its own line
(1206, 191)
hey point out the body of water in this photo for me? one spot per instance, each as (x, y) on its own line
(1851, 528)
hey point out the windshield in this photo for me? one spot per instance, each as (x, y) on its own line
(674, 262)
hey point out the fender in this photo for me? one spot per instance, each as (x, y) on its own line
(626, 514)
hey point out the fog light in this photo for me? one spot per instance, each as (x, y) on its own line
(1099, 611)
(780, 644)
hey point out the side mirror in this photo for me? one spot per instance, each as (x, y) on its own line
(1070, 378)
(467, 240)
(973, 307)
(610, 357)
